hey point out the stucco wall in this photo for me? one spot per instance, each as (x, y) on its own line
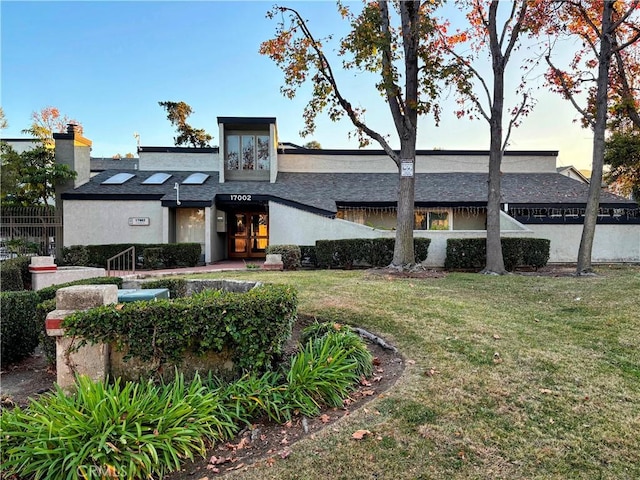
(292, 226)
(310, 162)
(612, 243)
(176, 161)
(97, 222)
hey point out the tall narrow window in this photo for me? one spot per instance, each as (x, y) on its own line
(248, 152)
(233, 152)
(263, 152)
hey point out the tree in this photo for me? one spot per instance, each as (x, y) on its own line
(399, 54)
(313, 145)
(606, 29)
(177, 114)
(3, 121)
(483, 96)
(29, 178)
(47, 121)
(622, 154)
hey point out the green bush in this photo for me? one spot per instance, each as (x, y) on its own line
(10, 276)
(321, 374)
(19, 328)
(177, 286)
(171, 255)
(15, 281)
(47, 343)
(131, 430)
(254, 326)
(345, 338)
(308, 256)
(471, 253)
(291, 255)
(49, 293)
(376, 252)
(152, 258)
(75, 255)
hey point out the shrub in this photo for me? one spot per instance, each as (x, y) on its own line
(126, 430)
(321, 374)
(345, 338)
(177, 286)
(152, 258)
(254, 326)
(10, 276)
(290, 255)
(171, 255)
(47, 343)
(19, 329)
(49, 293)
(75, 255)
(308, 256)
(471, 253)
(376, 252)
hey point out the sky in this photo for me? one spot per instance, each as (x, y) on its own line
(108, 64)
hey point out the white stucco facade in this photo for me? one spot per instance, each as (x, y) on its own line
(96, 222)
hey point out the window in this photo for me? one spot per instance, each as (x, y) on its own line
(247, 152)
(157, 179)
(431, 220)
(118, 179)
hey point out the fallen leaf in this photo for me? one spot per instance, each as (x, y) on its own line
(368, 393)
(285, 453)
(360, 434)
(218, 460)
(411, 362)
(325, 418)
(270, 461)
(496, 336)
(376, 361)
(213, 469)
(365, 382)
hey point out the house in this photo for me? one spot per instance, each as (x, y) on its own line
(253, 191)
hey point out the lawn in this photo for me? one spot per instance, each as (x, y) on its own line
(517, 377)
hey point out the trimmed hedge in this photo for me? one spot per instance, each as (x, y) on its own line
(308, 256)
(254, 326)
(15, 275)
(471, 253)
(169, 255)
(291, 255)
(374, 252)
(47, 343)
(19, 328)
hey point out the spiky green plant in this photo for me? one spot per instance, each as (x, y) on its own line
(344, 337)
(131, 430)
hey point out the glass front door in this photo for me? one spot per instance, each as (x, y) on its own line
(248, 235)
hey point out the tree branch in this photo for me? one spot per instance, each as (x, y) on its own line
(324, 68)
(567, 91)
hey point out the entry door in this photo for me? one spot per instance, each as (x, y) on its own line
(248, 235)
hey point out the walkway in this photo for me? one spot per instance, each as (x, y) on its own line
(224, 265)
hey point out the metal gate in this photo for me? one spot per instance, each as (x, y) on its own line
(29, 230)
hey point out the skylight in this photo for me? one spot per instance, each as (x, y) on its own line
(157, 179)
(195, 179)
(118, 178)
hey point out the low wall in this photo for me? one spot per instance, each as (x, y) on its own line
(44, 273)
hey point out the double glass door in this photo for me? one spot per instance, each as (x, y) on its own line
(248, 234)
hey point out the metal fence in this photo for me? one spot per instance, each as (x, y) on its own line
(28, 230)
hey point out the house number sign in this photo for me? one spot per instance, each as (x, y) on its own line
(240, 198)
(139, 221)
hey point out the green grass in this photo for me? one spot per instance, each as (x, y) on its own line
(563, 401)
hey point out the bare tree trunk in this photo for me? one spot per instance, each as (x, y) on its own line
(599, 129)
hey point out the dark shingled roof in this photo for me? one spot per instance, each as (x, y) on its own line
(323, 192)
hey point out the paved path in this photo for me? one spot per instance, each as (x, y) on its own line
(224, 265)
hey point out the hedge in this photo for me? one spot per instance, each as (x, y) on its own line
(291, 255)
(19, 328)
(164, 255)
(375, 252)
(254, 326)
(15, 275)
(177, 286)
(471, 253)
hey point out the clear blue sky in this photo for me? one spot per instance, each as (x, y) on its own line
(107, 64)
